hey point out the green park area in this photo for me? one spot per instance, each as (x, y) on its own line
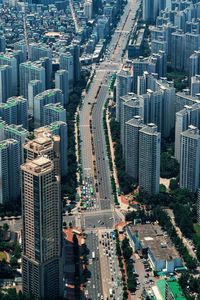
(197, 230)
(179, 78)
(2, 255)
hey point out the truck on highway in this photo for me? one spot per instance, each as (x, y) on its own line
(93, 255)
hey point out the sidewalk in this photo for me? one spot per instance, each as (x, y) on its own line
(123, 205)
(112, 153)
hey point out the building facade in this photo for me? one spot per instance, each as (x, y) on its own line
(42, 230)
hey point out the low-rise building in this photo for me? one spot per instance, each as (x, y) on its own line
(150, 239)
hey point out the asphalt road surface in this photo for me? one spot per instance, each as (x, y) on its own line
(109, 264)
(93, 289)
(102, 162)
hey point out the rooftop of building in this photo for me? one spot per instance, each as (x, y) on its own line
(186, 94)
(140, 37)
(56, 125)
(191, 132)
(3, 145)
(34, 81)
(129, 96)
(136, 120)
(57, 107)
(187, 108)
(40, 165)
(32, 64)
(123, 72)
(13, 101)
(135, 102)
(48, 93)
(42, 132)
(17, 129)
(151, 129)
(152, 237)
(39, 144)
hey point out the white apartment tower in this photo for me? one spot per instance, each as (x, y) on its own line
(132, 128)
(149, 159)
(190, 159)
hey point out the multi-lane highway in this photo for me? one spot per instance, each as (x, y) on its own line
(102, 162)
(93, 147)
(92, 109)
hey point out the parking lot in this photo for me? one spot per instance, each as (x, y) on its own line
(144, 275)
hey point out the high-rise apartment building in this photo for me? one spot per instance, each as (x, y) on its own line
(46, 63)
(22, 46)
(40, 100)
(178, 50)
(62, 83)
(190, 159)
(131, 152)
(30, 71)
(67, 63)
(34, 88)
(42, 230)
(123, 87)
(10, 60)
(5, 83)
(184, 98)
(194, 63)
(192, 44)
(2, 44)
(145, 82)
(18, 133)
(9, 171)
(130, 108)
(15, 111)
(195, 85)
(168, 106)
(150, 10)
(189, 115)
(38, 51)
(74, 49)
(151, 104)
(156, 63)
(53, 112)
(149, 159)
(88, 9)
